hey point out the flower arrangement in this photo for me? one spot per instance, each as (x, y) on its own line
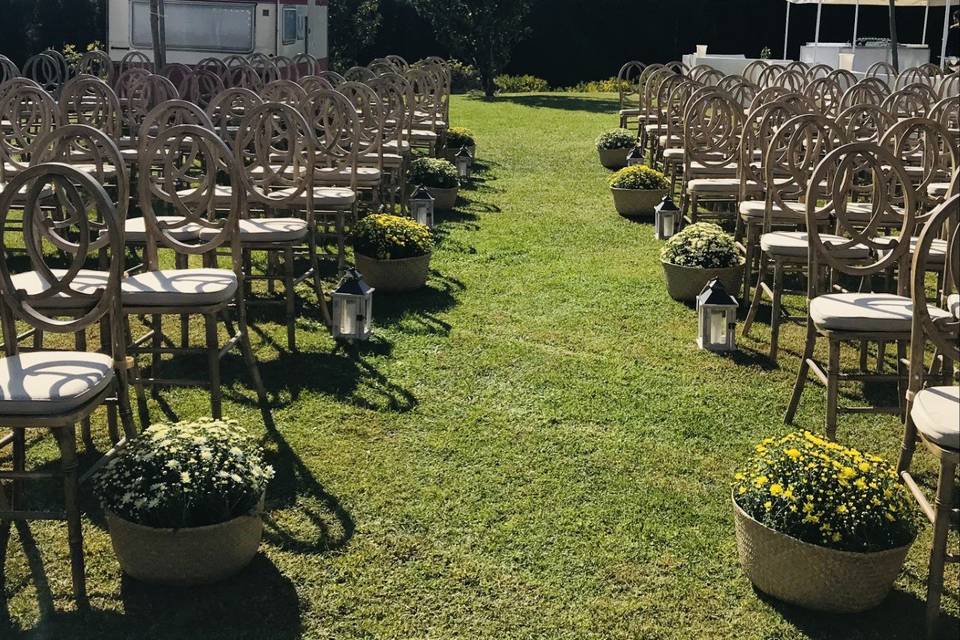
(72, 54)
(704, 245)
(184, 475)
(460, 137)
(616, 139)
(433, 172)
(825, 494)
(387, 237)
(639, 177)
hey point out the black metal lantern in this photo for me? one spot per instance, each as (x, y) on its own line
(421, 206)
(352, 303)
(666, 219)
(464, 162)
(635, 156)
(717, 318)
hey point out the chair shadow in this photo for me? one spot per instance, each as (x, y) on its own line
(258, 598)
(561, 101)
(900, 616)
(419, 311)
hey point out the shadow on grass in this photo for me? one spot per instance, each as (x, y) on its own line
(900, 616)
(258, 602)
(560, 101)
(419, 311)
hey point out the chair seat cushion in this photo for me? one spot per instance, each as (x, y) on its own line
(938, 248)
(937, 189)
(423, 135)
(629, 112)
(45, 383)
(794, 211)
(87, 282)
(135, 229)
(673, 154)
(936, 413)
(393, 145)
(725, 186)
(794, 244)
(179, 287)
(700, 170)
(365, 175)
(390, 160)
(323, 196)
(267, 230)
(866, 312)
(953, 305)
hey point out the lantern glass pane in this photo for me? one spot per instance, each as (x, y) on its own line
(667, 223)
(348, 315)
(368, 316)
(718, 326)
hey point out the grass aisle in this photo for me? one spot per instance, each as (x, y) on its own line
(532, 447)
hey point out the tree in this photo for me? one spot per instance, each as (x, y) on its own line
(158, 33)
(353, 26)
(482, 32)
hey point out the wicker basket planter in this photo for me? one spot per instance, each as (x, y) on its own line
(183, 557)
(444, 199)
(811, 576)
(394, 276)
(685, 283)
(637, 202)
(613, 158)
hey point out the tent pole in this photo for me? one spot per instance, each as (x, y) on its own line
(786, 31)
(946, 34)
(816, 34)
(894, 45)
(856, 21)
(926, 14)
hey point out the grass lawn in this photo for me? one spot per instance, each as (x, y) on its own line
(531, 447)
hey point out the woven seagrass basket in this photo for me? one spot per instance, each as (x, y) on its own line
(811, 576)
(394, 276)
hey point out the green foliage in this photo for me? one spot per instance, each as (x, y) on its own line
(460, 137)
(765, 53)
(482, 32)
(521, 84)
(387, 237)
(639, 177)
(73, 55)
(433, 172)
(703, 245)
(616, 139)
(610, 85)
(463, 77)
(353, 26)
(187, 474)
(826, 494)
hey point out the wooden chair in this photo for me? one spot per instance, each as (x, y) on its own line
(57, 389)
(45, 70)
(314, 82)
(335, 78)
(135, 60)
(227, 110)
(265, 68)
(90, 101)
(305, 65)
(8, 69)
(27, 113)
(629, 93)
(933, 412)
(283, 91)
(867, 91)
(865, 122)
(98, 64)
(358, 74)
(910, 101)
(179, 171)
(367, 178)
(862, 316)
(844, 78)
(200, 86)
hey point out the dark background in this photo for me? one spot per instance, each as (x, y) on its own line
(569, 40)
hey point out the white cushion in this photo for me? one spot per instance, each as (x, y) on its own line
(135, 229)
(953, 304)
(793, 211)
(87, 281)
(392, 144)
(630, 112)
(698, 169)
(51, 382)
(179, 287)
(365, 175)
(795, 244)
(938, 248)
(266, 230)
(673, 154)
(866, 312)
(936, 413)
(423, 135)
(390, 160)
(726, 186)
(937, 189)
(323, 196)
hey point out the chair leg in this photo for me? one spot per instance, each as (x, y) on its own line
(775, 310)
(290, 299)
(941, 525)
(213, 364)
(143, 411)
(909, 443)
(249, 358)
(802, 373)
(757, 295)
(66, 438)
(19, 465)
(317, 280)
(902, 380)
(693, 208)
(156, 324)
(833, 389)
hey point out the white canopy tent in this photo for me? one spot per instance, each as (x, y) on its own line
(926, 4)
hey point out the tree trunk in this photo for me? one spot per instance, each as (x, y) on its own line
(489, 86)
(158, 33)
(894, 45)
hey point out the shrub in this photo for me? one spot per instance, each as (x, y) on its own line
(433, 172)
(616, 139)
(73, 55)
(639, 177)
(610, 85)
(387, 237)
(703, 245)
(463, 77)
(459, 137)
(825, 494)
(187, 474)
(521, 84)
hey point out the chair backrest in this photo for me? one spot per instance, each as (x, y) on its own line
(395, 100)
(947, 112)
(628, 87)
(201, 86)
(860, 167)
(759, 127)
(285, 91)
(68, 218)
(45, 70)
(739, 88)
(949, 86)
(171, 113)
(883, 70)
(791, 80)
(96, 63)
(910, 101)
(752, 71)
(95, 152)
(399, 61)
(335, 128)
(244, 76)
(139, 92)
(135, 60)
(305, 65)
(8, 70)
(89, 100)
(928, 146)
(680, 94)
(381, 66)
(915, 75)
(213, 64)
(370, 117)
(265, 67)
(312, 83)
(844, 78)
(867, 91)
(285, 68)
(227, 109)
(942, 223)
(865, 122)
(335, 78)
(180, 169)
(423, 86)
(711, 133)
(826, 94)
(817, 71)
(27, 113)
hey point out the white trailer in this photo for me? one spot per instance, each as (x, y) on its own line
(197, 29)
